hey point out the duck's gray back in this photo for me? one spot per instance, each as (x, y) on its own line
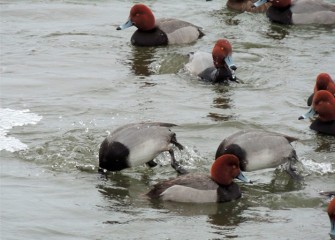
(179, 31)
(262, 149)
(313, 11)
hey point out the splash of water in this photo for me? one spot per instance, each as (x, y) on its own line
(315, 167)
(10, 118)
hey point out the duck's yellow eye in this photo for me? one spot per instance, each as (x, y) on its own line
(234, 166)
(222, 48)
(137, 14)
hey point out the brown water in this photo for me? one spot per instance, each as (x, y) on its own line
(80, 79)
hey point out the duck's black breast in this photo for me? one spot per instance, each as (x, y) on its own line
(155, 37)
(228, 193)
(278, 15)
(323, 127)
(216, 75)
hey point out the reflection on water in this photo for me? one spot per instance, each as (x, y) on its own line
(324, 143)
(141, 59)
(223, 102)
(281, 181)
(277, 31)
(223, 99)
(228, 214)
(227, 16)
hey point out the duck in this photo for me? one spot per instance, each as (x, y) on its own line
(202, 188)
(323, 82)
(331, 214)
(151, 32)
(259, 149)
(246, 6)
(135, 144)
(299, 11)
(217, 67)
(324, 106)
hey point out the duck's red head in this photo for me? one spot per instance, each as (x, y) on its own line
(324, 105)
(142, 17)
(225, 168)
(221, 50)
(324, 82)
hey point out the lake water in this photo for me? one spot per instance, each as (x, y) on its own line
(68, 78)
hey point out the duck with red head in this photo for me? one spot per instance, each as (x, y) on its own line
(216, 68)
(323, 82)
(201, 188)
(152, 32)
(323, 105)
(299, 11)
(331, 214)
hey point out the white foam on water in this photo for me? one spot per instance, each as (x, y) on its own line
(321, 168)
(10, 118)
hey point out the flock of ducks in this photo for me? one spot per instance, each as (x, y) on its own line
(135, 144)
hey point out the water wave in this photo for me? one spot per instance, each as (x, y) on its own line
(315, 167)
(10, 118)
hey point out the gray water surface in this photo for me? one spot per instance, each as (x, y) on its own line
(65, 62)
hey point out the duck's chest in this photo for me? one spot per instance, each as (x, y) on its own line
(278, 15)
(155, 37)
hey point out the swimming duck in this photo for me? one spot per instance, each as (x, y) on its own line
(299, 11)
(246, 6)
(323, 82)
(201, 188)
(138, 143)
(323, 105)
(153, 32)
(258, 149)
(331, 214)
(216, 68)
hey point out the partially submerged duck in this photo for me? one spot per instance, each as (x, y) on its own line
(258, 149)
(136, 144)
(217, 67)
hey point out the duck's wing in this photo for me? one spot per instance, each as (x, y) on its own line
(196, 181)
(198, 62)
(179, 31)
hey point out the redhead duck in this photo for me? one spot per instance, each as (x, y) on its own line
(138, 143)
(331, 214)
(217, 68)
(323, 105)
(246, 6)
(153, 32)
(257, 149)
(323, 82)
(299, 11)
(201, 188)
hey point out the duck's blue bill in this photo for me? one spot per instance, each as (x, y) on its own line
(229, 61)
(243, 178)
(311, 112)
(125, 25)
(259, 3)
